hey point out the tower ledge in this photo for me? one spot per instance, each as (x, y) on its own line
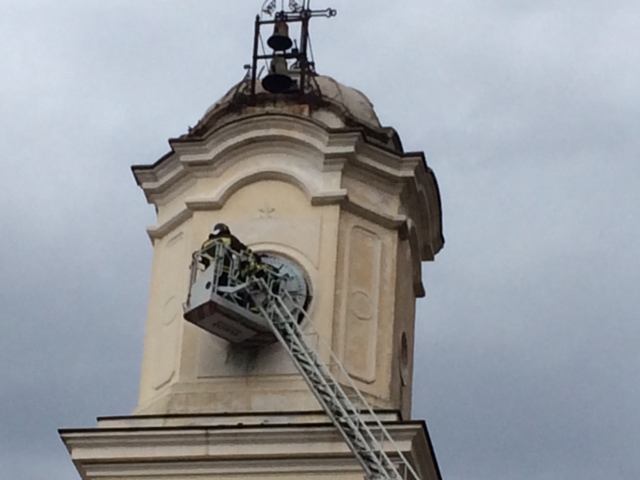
(334, 155)
(192, 447)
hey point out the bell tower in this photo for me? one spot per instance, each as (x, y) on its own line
(300, 168)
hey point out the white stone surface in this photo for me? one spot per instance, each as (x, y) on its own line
(189, 448)
(349, 213)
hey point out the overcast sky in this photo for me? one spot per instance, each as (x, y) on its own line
(528, 364)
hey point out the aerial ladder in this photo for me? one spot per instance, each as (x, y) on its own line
(245, 300)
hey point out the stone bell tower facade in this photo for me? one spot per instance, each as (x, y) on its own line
(314, 179)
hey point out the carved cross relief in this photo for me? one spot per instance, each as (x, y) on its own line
(266, 211)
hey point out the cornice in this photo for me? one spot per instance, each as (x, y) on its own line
(336, 466)
(334, 147)
(257, 449)
(326, 153)
(158, 231)
(181, 420)
(394, 222)
(340, 197)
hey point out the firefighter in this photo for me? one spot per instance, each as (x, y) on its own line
(221, 232)
(221, 235)
(252, 266)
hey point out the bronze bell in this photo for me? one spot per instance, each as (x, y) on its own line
(280, 40)
(278, 80)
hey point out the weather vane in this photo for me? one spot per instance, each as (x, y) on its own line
(295, 6)
(270, 6)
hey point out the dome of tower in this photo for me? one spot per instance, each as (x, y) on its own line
(353, 101)
(335, 105)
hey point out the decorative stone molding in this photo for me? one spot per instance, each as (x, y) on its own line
(329, 152)
(198, 447)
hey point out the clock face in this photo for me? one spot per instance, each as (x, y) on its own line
(293, 279)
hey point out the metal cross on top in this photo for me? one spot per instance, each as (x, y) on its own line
(271, 6)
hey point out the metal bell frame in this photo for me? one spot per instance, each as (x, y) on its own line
(299, 14)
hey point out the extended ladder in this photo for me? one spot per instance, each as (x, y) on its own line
(366, 438)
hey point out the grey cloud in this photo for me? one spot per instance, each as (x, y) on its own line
(527, 341)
